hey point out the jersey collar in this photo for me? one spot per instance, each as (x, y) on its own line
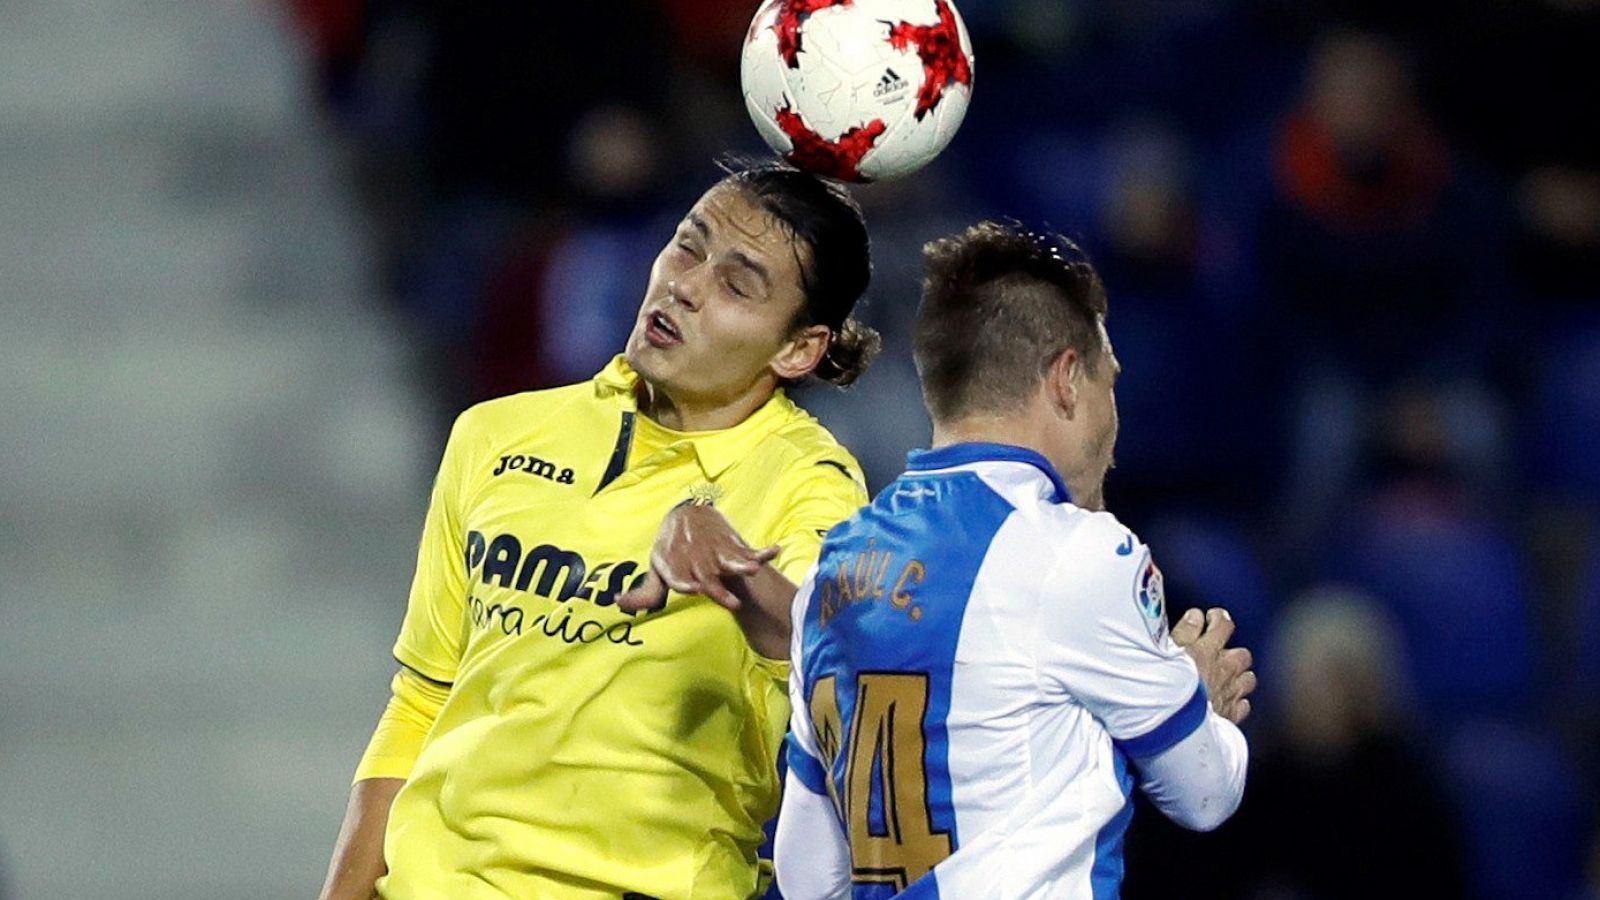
(616, 378)
(716, 451)
(966, 454)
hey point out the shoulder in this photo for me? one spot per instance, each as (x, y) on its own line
(804, 450)
(1087, 530)
(1094, 547)
(486, 430)
(512, 410)
(1101, 565)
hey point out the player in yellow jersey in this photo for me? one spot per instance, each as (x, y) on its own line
(545, 740)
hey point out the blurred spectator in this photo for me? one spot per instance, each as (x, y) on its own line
(1346, 803)
(1210, 561)
(1381, 260)
(563, 292)
(1523, 805)
(1565, 416)
(1558, 244)
(1342, 802)
(507, 84)
(1179, 295)
(1374, 221)
(709, 32)
(1459, 592)
(1440, 444)
(1508, 80)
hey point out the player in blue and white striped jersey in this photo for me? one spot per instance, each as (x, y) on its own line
(982, 670)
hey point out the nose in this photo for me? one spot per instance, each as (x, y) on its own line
(685, 290)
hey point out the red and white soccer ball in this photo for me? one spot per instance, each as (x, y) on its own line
(860, 90)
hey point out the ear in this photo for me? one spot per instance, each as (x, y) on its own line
(1061, 382)
(801, 354)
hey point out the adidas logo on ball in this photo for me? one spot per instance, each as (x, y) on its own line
(889, 83)
(895, 74)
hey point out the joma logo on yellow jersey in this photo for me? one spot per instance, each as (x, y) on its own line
(547, 570)
(533, 465)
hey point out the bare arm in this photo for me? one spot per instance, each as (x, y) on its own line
(358, 855)
(765, 599)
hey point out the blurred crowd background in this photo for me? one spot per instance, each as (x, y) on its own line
(259, 254)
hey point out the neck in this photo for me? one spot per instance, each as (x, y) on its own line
(1090, 496)
(678, 414)
(1024, 431)
(1014, 430)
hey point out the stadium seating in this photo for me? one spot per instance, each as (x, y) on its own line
(1524, 820)
(1568, 428)
(1208, 561)
(1459, 591)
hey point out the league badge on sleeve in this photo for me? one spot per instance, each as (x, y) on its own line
(1152, 597)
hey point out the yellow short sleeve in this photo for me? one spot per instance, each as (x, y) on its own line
(406, 721)
(820, 495)
(431, 637)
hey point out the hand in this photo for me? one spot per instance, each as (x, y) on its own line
(1226, 671)
(697, 552)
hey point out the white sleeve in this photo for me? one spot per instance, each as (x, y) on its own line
(810, 851)
(1104, 641)
(1199, 781)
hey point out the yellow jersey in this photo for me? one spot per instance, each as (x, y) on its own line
(581, 751)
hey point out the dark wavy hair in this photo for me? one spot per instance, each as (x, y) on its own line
(821, 214)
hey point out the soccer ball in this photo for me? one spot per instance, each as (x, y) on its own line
(859, 90)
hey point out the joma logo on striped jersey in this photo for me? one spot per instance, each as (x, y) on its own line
(547, 570)
(533, 465)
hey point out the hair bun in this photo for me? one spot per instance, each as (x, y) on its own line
(849, 353)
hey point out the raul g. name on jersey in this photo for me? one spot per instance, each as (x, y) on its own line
(865, 577)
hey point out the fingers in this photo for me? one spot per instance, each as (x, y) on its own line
(1188, 628)
(709, 581)
(1245, 685)
(1219, 628)
(698, 552)
(1235, 660)
(742, 561)
(651, 594)
(1236, 681)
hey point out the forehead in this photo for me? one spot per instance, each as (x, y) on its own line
(735, 216)
(1105, 342)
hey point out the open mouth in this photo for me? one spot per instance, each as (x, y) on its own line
(661, 330)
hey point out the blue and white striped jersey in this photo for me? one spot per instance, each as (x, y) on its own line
(976, 661)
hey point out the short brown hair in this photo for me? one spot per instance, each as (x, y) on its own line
(999, 305)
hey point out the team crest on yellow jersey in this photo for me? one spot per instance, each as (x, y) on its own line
(705, 494)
